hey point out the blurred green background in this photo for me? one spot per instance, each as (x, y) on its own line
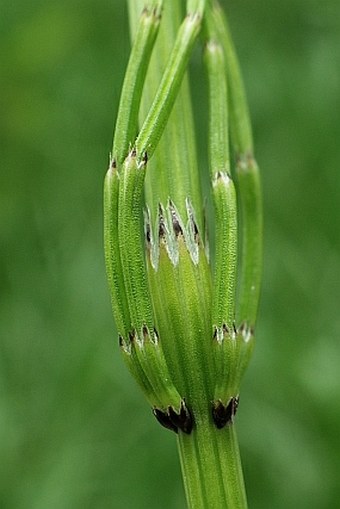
(75, 432)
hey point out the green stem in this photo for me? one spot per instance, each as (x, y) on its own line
(127, 117)
(154, 125)
(248, 179)
(210, 457)
(223, 189)
(211, 467)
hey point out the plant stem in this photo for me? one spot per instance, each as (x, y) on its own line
(209, 456)
(248, 179)
(211, 467)
(154, 125)
(127, 117)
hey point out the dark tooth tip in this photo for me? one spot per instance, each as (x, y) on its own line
(195, 228)
(219, 415)
(175, 220)
(161, 227)
(164, 419)
(161, 230)
(132, 335)
(183, 420)
(177, 227)
(224, 415)
(148, 233)
(225, 329)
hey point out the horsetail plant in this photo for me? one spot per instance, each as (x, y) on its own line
(185, 324)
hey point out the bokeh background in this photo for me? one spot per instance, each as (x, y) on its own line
(75, 431)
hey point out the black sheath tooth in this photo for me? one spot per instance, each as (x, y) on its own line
(148, 233)
(161, 227)
(194, 225)
(147, 228)
(223, 415)
(176, 226)
(175, 220)
(219, 414)
(145, 331)
(132, 335)
(182, 420)
(225, 329)
(156, 335)
(195, 228)
(164, 419)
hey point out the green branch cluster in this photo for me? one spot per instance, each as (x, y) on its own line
(186, 326)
